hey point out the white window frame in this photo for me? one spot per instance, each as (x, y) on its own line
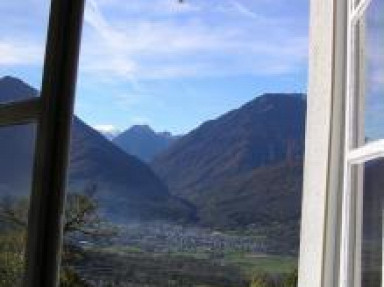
(323, 172)
(356, 151)
(330, 210)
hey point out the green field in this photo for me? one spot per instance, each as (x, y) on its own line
(232, 269)
(253, 264)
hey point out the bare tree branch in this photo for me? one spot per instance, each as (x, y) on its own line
(81, 214)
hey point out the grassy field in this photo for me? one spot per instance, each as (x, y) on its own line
(190, 264)
(253, 264)
(248, 263)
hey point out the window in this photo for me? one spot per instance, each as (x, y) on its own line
(361, 248)
(17, 149)
(342, 208)
(237, 154)
(18, 54)
(51, 114)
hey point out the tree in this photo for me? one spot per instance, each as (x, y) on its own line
(261, 280)
(291, 279)
(11, 258)
(70, 278)
(268, 280)
(82, 215)
(81, 219)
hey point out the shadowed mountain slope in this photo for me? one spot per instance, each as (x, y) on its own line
(127, 189)
(244, 167)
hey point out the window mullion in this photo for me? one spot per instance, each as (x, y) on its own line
(46, 211)
(19, 113)
(358, 12)
(354, 155)
(367, 152)
(346, 260)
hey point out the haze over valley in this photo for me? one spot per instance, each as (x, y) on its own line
(230, 186)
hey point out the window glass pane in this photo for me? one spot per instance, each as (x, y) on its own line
(16, 161)
(370, 74)
(370, 242)
(357, 2)
(22, 43)
(215, 200)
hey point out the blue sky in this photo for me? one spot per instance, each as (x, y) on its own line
(166, 64)
(374, 71)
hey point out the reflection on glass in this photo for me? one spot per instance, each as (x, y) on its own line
(16, 161)
(370, 69)
(22, 41)
(372, 231)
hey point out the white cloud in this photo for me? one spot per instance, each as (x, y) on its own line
(140, 121)
(145, 48)
(23, 32)
(109, 131)
(162, 39)
(153, 7)
(12, 54)
(238, 7)
(106, 128)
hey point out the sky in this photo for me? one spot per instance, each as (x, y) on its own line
(169, 65)
(373, 76)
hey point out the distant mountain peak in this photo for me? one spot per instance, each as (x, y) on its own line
(142, 141)
(166, 134)
(15, 82)
(294, 95)
(278, 98)
(216, 166)
(141, 128)
(6, 79)
(127, 188)
(14, 89)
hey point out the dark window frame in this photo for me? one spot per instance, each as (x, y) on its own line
(53, 112)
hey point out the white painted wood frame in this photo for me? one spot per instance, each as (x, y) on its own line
(331, 229)
(356, 151)
(323, 173)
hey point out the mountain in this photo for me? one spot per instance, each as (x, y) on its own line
(143, 142)
(13, 89)
(243, 168)
(127, 189)
(109, 131)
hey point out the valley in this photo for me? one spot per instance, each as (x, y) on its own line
(218, 206)
(161, 254)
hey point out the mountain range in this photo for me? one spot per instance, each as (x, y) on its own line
(143, 142)
(244, 167)
(110, 132)
(127, 188)
(241, 170)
